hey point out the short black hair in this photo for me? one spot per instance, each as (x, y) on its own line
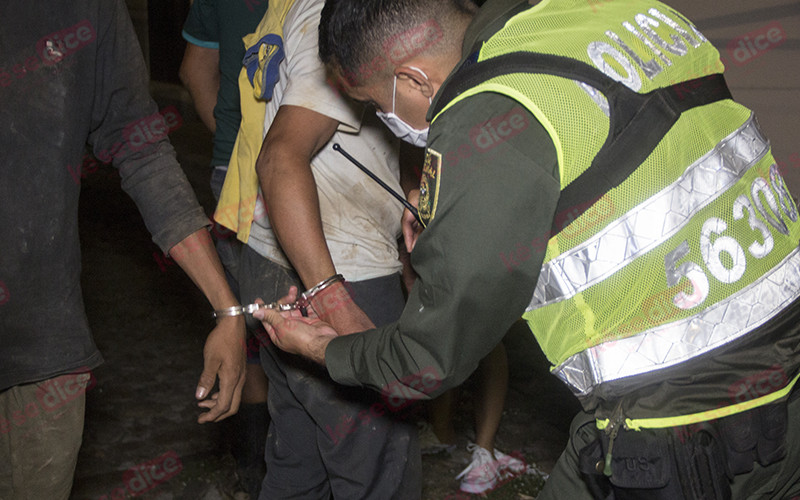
(358, 37)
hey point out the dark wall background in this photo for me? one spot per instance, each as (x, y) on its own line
(165, 20)
(158, 24)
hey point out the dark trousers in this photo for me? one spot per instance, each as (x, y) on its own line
(327, 440)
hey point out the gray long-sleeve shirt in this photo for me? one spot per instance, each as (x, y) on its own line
(71, 73)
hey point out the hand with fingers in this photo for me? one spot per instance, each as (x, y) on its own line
(223, 357)
(292, 332)
(411, 226)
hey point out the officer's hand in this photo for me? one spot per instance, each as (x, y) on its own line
(411, 228)
(293, 333)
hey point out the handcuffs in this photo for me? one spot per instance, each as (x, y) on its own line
(301, 303)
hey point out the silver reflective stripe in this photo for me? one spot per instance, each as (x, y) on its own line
(673, 343)
(653, 221)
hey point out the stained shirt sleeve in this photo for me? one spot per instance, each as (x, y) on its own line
(490, 207)
(127, 130)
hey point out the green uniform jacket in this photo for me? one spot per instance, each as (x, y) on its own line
(493, 183)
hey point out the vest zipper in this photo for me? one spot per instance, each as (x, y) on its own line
(616, 421)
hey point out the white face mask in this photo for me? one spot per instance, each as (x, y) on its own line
(404, 131)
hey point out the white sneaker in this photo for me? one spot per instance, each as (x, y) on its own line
(481, 474)
(508, 465)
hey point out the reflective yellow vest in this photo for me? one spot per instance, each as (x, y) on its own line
(696, 248)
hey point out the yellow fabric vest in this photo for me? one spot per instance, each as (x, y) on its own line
(696, 248)
(264, 48)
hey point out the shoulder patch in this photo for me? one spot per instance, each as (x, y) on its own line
(429, 186)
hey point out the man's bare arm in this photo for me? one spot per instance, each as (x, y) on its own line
(284, 171)
(199, 73)
(224, 352)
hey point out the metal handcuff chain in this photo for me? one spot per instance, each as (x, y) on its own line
(301, 303)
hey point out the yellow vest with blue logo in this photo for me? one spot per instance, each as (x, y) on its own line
(264, 53)
(696, 248)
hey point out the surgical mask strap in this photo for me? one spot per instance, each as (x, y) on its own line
(430, 99)
(394, 88)
(394, 92)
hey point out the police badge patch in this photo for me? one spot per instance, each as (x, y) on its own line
(429, 186)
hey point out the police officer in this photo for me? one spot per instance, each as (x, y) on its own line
(654, 250)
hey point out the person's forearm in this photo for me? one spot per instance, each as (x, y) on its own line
(284, 172)
(287, 182)
(316, 349)
(223, 353)
(294, 215)
(198, 258)
(199, 73)
(204, 97)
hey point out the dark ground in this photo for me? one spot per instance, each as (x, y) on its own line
(150, 324)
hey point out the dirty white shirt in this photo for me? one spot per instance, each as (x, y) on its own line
(361, 221)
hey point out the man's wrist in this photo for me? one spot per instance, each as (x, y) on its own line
(325, 302)
(317, 348)
(306, 297)
(226, 312)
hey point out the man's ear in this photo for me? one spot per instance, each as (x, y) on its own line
(416, 78)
